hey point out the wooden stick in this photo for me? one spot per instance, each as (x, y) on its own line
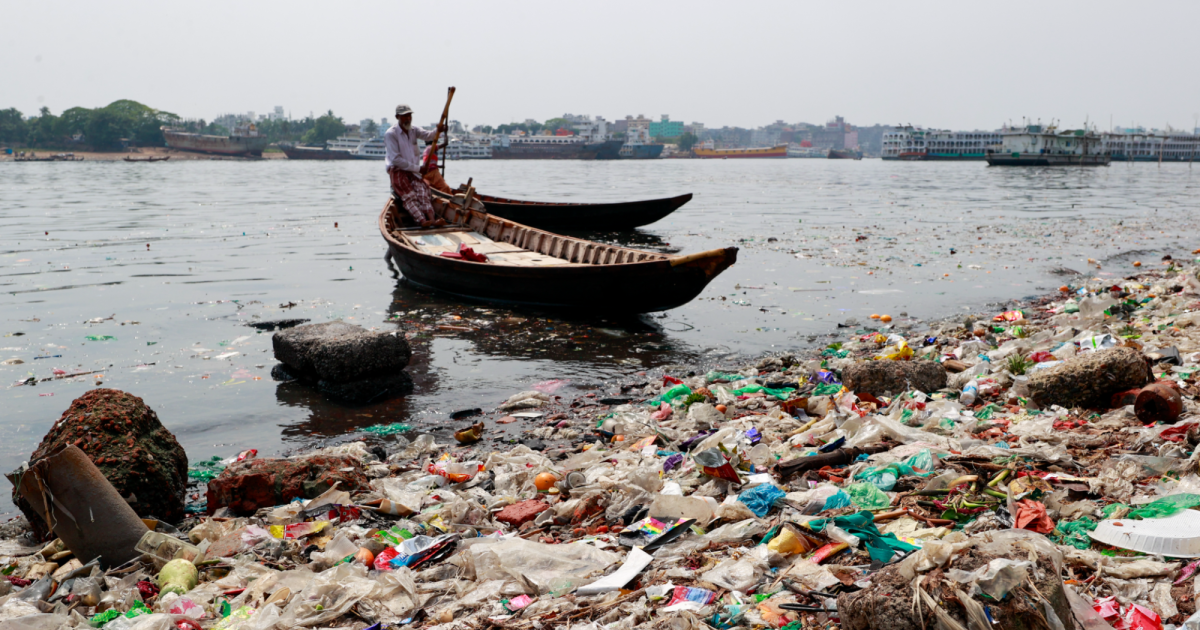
(437, 133)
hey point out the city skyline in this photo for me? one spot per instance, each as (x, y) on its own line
(932, 63)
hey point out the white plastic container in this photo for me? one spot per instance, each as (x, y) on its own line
(1177, 536)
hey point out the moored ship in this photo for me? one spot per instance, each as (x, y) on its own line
(845, 154)
(1044, 145)
(707, 151)
(639, 147)
(1139, 145)
(934, 145)
(243, 141)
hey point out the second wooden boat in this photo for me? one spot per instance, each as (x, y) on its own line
(624, 215)
(531, 267)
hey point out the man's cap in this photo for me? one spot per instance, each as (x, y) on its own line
(403, 109)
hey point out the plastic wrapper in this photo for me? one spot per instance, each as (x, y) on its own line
(545, 566)
(868, 497)
(738, 575)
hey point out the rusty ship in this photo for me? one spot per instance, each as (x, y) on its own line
(244, 141)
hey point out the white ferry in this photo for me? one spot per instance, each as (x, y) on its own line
(915, 143)
(1139, 145)
(1045, 145)
(468, 150)
(359, 146)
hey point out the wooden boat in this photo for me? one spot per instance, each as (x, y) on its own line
(150, 158)
(625, 215)
(531, 267)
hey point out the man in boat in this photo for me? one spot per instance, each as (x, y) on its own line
(404, 167)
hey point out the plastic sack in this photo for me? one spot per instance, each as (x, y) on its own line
(738, 575)
(760, 499)
(783, 393)
(868, 497)
(670, 395)
(545, 566)
(1165, 506)
(836, 500)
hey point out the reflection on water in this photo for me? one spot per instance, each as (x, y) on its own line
(147, 277)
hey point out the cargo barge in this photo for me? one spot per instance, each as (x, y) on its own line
(244, 141)
(765, 152)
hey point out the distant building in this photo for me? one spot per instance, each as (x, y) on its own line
(623, 126)
(666, 128)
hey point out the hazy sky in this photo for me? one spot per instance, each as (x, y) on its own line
(961, 64)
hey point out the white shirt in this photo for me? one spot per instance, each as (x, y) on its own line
(402, 147)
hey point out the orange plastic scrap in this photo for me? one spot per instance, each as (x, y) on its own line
(1009, 316)
(1032, 515)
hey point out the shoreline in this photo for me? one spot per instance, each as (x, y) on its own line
(176, 155)
(625, 451)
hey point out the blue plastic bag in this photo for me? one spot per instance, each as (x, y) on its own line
(760, 499)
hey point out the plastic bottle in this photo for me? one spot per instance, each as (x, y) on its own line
(969, 392)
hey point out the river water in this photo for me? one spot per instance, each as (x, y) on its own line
(169, 261)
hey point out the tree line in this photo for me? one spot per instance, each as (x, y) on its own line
(101, 128)
(129, 122)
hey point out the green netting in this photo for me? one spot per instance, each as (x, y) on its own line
(388, 429)
(1074, 533)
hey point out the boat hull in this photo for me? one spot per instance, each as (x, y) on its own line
(1038, 159)
(218, 145)
(584, 216)
(585, 289)
(607, 150)
(773, 152)
(313, 153)
(642, 151)
(844, 154)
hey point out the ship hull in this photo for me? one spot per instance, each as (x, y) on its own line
(607, 150)
(313, 153)
(218, 145)
(844, 154)
(642, 152)
(1037, 159)
(936, 157)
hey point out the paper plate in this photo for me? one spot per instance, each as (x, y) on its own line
(1177, 536)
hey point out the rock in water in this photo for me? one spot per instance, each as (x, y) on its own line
(1091, 380)
(345, 361)
(124, 439)
(256, 483)
(888, 378)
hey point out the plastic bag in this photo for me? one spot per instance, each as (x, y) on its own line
(868, 497)
(738, 575)
(670, 395)
(1165, 506)
(783, 393)
(545, 566)
(760, 499)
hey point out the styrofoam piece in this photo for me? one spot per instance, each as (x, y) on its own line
(1177, 536)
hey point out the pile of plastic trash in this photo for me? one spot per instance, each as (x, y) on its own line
(1048, 481)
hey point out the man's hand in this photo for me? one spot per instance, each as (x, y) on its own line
(441, 128)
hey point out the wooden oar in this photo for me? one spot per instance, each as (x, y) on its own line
(438, 132)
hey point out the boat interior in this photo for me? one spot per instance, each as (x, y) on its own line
(502, 241)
